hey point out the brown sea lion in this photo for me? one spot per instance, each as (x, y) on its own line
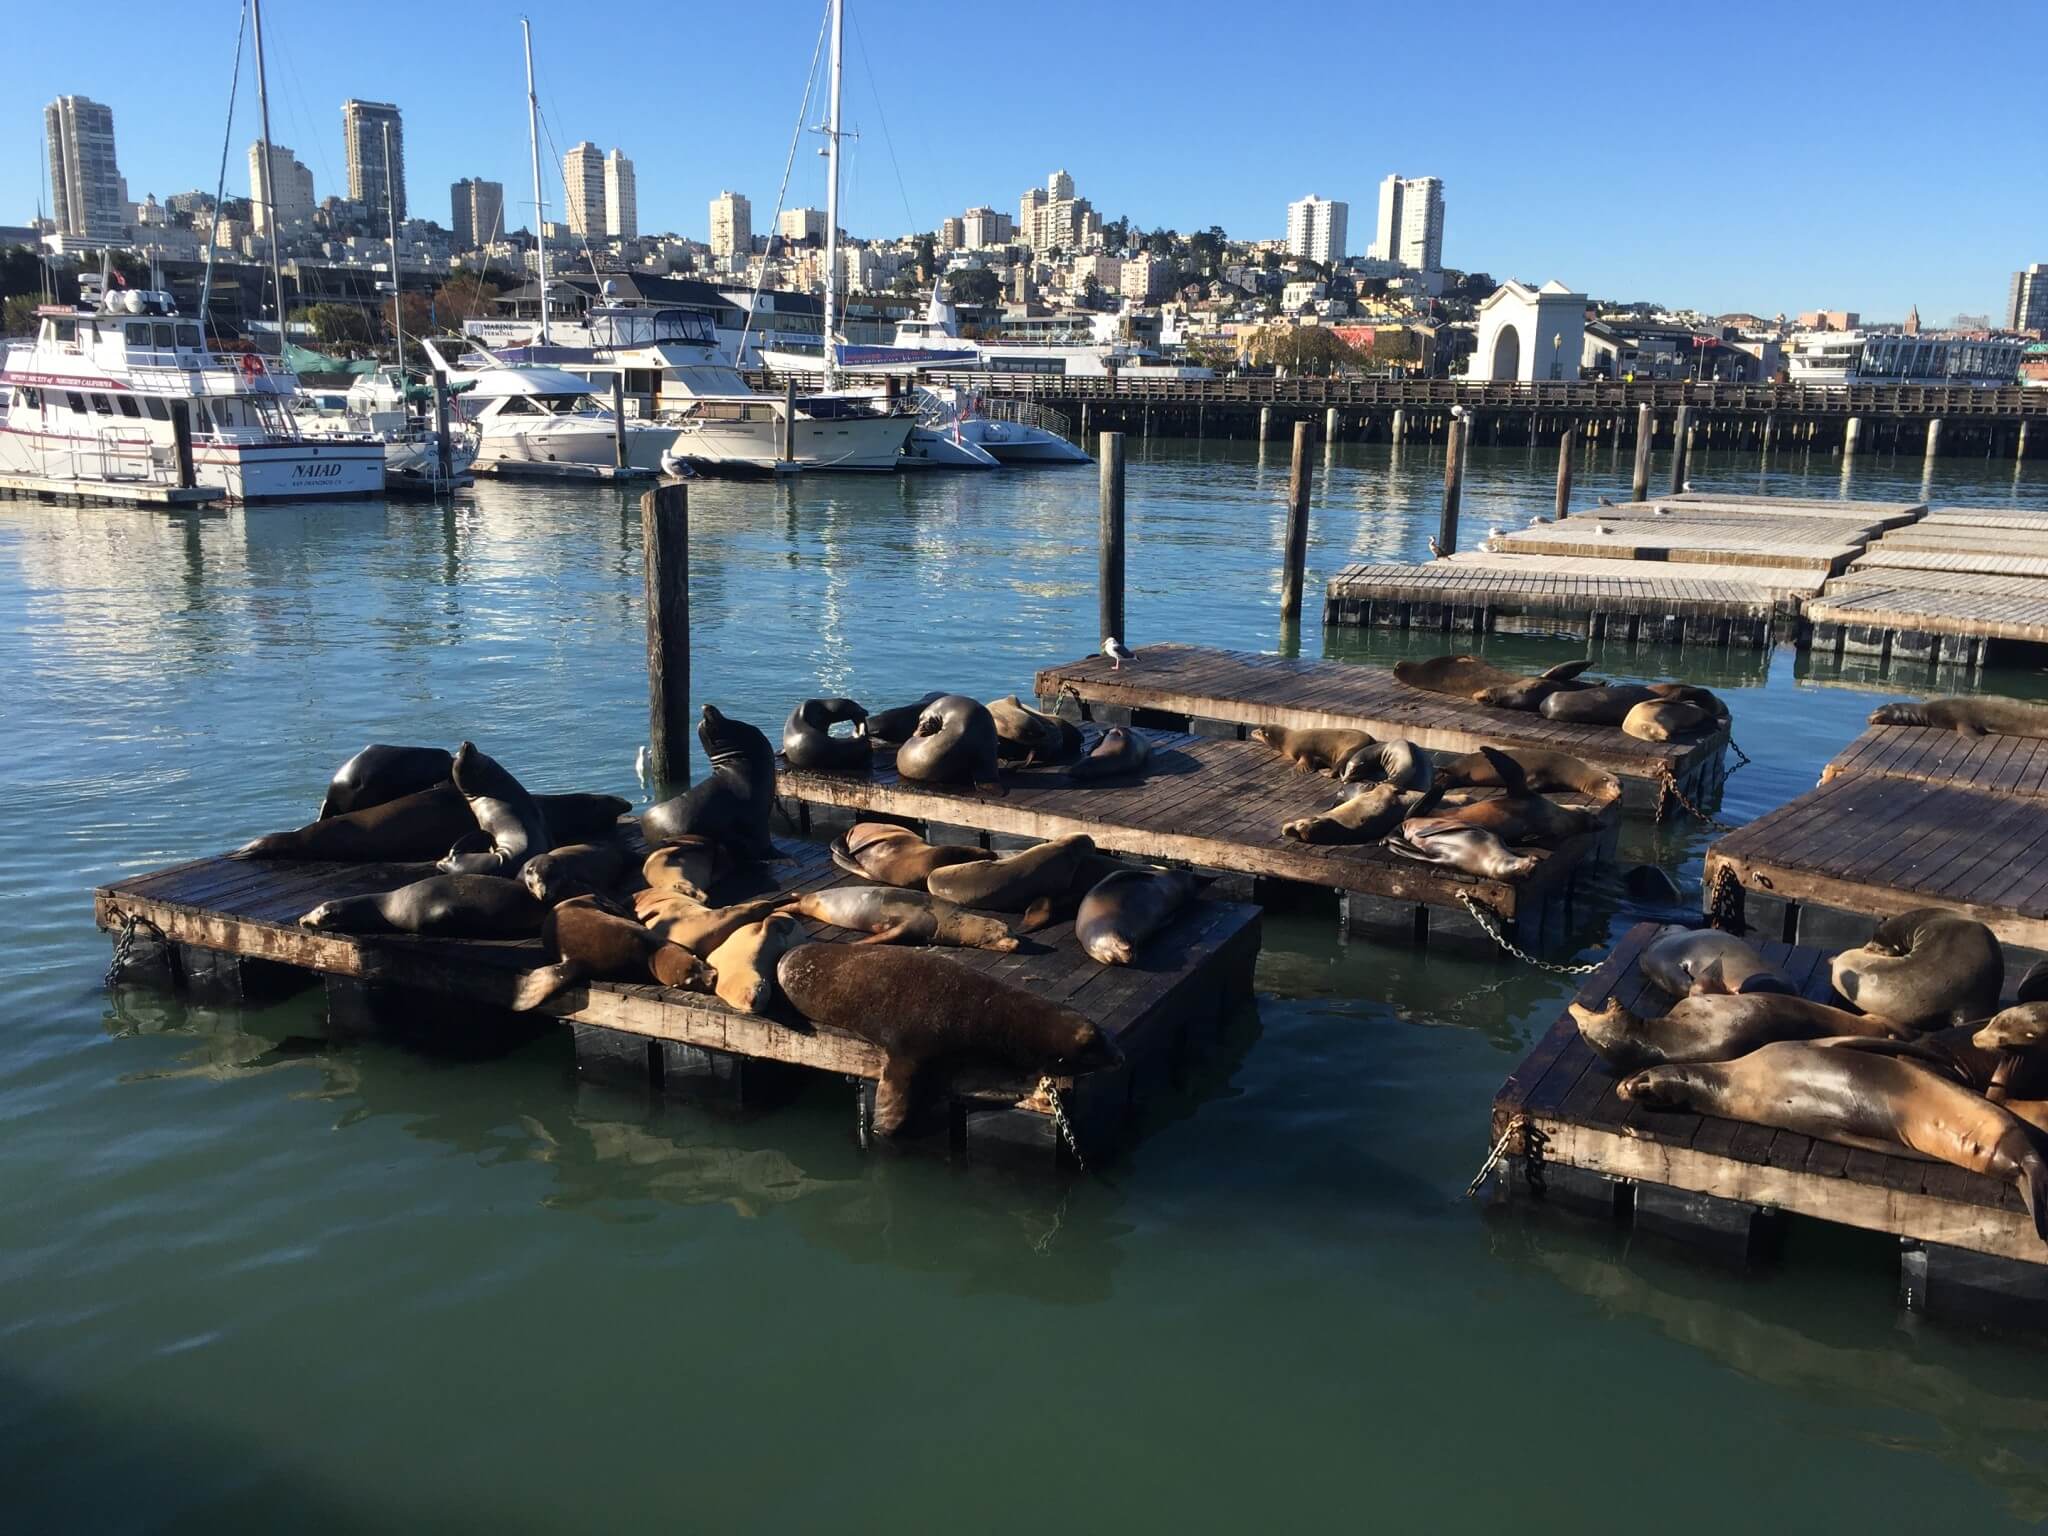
(1541, 770)
(1608, 705)
(1968, 716)
(954, 743)
(895, 726)
(675, 917)
(1366, 817)
(732, 804)
(1717, 1026)
(1928, 968)
(888, 914)
(380, 773)
(1688, 693)
(924, 1010)
(808, 742)
(1471, 850)
(2004, 1058)
(1117, 755)
(1088, 873)
(691, 865)
(509, 817)
(1400, 763)
(588, 940)
(1858, 1099)
(414, 828)
(891, 855)
(443, 906)
(1686, 962)
(1664, 720)
(1031, 736)
(1012, 883)
(1318, 750)
(1127, 908)
(1519, 814)
(1467, 677)
(745, 962)
(580, 869)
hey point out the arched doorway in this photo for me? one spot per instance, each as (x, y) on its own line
(1507, 354)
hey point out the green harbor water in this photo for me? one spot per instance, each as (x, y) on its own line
(253, 1279)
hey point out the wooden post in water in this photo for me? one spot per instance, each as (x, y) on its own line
(1265, 422)
(1933, 438)
(1296, 555)
(1454, 481)
(1850, 432)
(619, 419)
(181, 441)
(1565, 445)
(444, 459)
(1646, 429)
(1111, 569)
(2019, 450)
(665, 551)
(789, 421)
(1681, 440)
(1330, 425)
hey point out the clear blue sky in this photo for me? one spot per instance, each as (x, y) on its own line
(1779, 156)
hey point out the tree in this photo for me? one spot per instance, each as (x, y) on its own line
(336, 324)
(927, 258)
(1091, 291)
(463, 297)
(418, 313)
(907, 282)
(1301, 348)
(20, 316)
(975, 285)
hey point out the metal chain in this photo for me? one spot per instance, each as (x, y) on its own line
(1668, 790)
(860, 1109)
(1724, 902)
(1500, 1150)
(1737, 750)
(1479, 915)
(1060, 1123)
(124, 941)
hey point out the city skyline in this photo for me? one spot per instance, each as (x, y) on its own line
(1624, 216)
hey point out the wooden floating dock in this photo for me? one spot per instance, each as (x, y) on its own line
(235, 921)
(1722, 1182)
(138, 493)
(1216, 804)
(547, 469)
(1696, 534)
(1215, 692)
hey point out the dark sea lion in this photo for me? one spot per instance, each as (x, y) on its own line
(1088, 872)
(1541, 770)
(1687, 693)
(1927, 968)
(891, 855)
(888, 914)
(415, 828)
(577, 869)
(1012, 883)
(1119, 754)
(1318, 750)
(925, 1010)
(1399, 763)
(590, 941)
(745, 962)
(1366, 817)
(1717, 1026)
(1519, 814)
(378, 774)
(954, 743)
(505, 813)
(1127, 908)
(1664, 720)
(1969, 716)
(1472, 850)
(732, 804)
(1595, 706)
(1650, 885)
(898, 725)
(808, 742)
(1031, 736)
(681, 920)
(443, 906)
(2033, 987)
(1687, 962)
(1858, 1099)
(582, 818)
(1467, 677)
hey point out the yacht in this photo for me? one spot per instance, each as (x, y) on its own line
(396, 411)
(529, 415)
(1013, 438)
(89, 399)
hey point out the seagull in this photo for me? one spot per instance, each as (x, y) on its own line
(1117, 652)
(1606, 501)
(1688, 487)
(1436, 550)
(1602, 528)
(640, 765)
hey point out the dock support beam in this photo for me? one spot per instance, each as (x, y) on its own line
(1401, 422)
(1646, 426)
(619, 419)
(1265, 422)
(1934, 438)
(665, 551)
(1850, 433)
(789, 421)
(1454, 482)
(1111, 568)
(1296, 555)
(1330, 425)
(2020, 451)
(1565, 445)
(181, 441)
(1681, 442)
(444, 460)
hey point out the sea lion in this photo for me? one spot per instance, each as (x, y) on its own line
(579, 869)
(923, 1009)
(1688, 693)
(1127, 908)
(677, 918)
(1717, 1026)
(1595, 706)
(689, 864)
(1541, 770)
(1926, 968)
(582, 818)
(1320, 750)
(378, 774)
(1968, 717)
(954, 743)
(1687, 962)
(1858, 1099)
(1664, 720)
(1999, 1059)
(1117, 755)
(588, 940)
(442, 906)
(1028, 735)
(1649, 885)
(893, 855)
(745, 963)
(888, 914)
(1467, 677)
(732, 805)
(2033, 987)
(505, 813)
(1399, 763)
(1366, 817)
(1012, 883)
(1519, 814)
(414, 828)
(808, 742)
(896, 726)
(1472, 850)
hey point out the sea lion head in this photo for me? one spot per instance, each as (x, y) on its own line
(2016, 1029)
(1088, 1048)
(1524, 694)
(1666, 1087)
(726, 740)
(674, 966)
(979, 932)
(1267, 736)
(1364, 766)
(324, 916)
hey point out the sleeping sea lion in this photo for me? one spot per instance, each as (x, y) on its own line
(1688, 693)
(1541, 770)
(744, 964)
(1320, 750)
(1717, 1026)
(2033, 987)
(1664, 720)
(1519, 814)
(1117, 755)
(1467, 677)
(1969, 717)
(675, 917)
(1012, 883)
(414, 828)
(891, 855)
(378, 774)
(888, 914)
(443, 906)
(579, 869)
(689, 864)
(808, 742)
(1926, 968)
(954, 743)
(2005, 1058)
(1687, 962)
(1127, 908)
(1366, 817)
(925, 1010)
(588, 940)
(1858, 1099)
(1595, 706)
(582, 818)
(1028, 735)
(896, 726)
(732, 805)
(505, 813)
(1399, 763)
(1472, 850)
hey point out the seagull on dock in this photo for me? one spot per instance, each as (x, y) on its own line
(1606, 501)
(1117, 652)
(1602, 528)
(640, 766)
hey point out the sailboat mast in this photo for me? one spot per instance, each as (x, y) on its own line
(832, 192)
(269, 175)
(540, 219)
(397, 288)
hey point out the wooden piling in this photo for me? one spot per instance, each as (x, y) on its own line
(665, 551)
(1265, 422)
(619, 419)
(1454, 480)
(1933, 438)
(1565, 445)
(1850, 433)
(789, 421)
(1330, 425)
(444, 459)
(1646, 427)
(1111, 567)
(181, 442)
(1296, 555)
(1681, 444)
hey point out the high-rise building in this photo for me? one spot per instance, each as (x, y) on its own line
(952, 234)
(2029, 308)
(1316, 228)
(84, 180)
(477, 212)
(362, 132)
(583, 190)
(796, 225)
(621, 197)
(294, 195)
(1411, 223)
(732, 225)
(1051, 217)
(984, 227)
(1058, 186)
(1028, 207)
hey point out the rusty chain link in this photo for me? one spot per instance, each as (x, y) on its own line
(1060, 1123)
(1533, 1143)
(124, 941)
(1480, 916)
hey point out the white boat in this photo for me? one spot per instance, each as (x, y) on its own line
(530, 416)
(399, 414)
(90, 401)
(940, 439)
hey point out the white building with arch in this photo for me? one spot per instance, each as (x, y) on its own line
(1529, 335)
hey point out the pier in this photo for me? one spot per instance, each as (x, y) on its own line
(133, 493)
(1938, 590)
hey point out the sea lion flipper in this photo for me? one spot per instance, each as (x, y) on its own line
(893, 1095)
(1565, 671)
(1042, 913)
(888, 935)
(537, 986)
(1508, 771)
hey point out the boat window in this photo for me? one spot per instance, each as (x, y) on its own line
(517, 405)
(138, 333)
(166, 334)
(76, 402)
(64, 330)
(158, 411)
(32, 398)
(188, 335)
(103, 405)
(129, 407)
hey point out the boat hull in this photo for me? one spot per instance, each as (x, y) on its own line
(644, 447)
(855, 443)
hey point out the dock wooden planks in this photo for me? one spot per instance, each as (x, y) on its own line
(1184, 980)
(1207, 689)
(1692, 535)
(1999, 765)
(1568, 1094)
